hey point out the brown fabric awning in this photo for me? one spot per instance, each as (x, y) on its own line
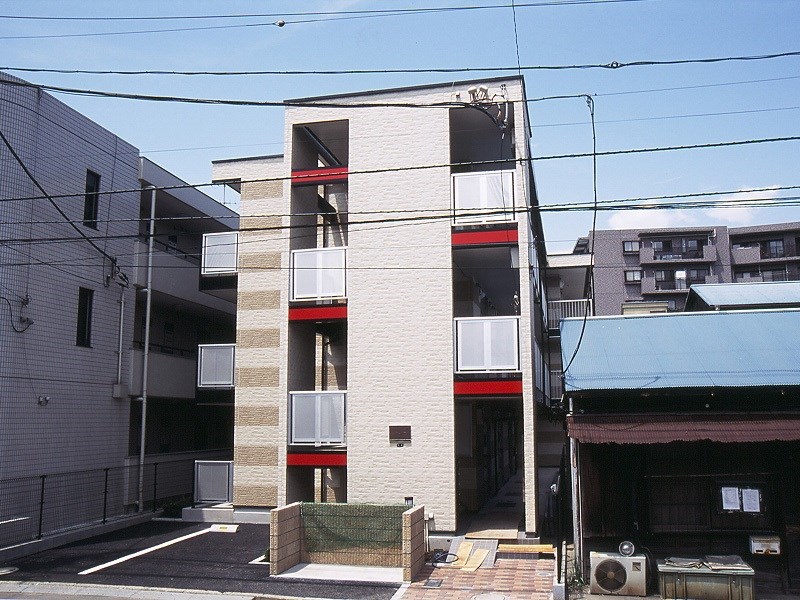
(664, 428)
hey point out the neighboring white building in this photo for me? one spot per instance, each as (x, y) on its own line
(70, 352)
(382, 361)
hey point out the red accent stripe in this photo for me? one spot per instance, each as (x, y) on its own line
(318, 459)
(317, 176)
(488, 388)
(318, 313)
(495, 236)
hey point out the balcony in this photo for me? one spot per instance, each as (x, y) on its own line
(486, 344)
(220, 253)
(708, 253)
(563, 309)
(168, 375)
(483, 197)
(317, 418)
(556, 386)
(215, 366)
(175, 275)
(319, 274)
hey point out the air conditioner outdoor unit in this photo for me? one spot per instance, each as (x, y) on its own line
(612, 573)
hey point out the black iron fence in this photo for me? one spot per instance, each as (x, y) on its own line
(35, 507)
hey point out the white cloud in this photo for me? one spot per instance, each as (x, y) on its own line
(653, 218)
(745, 215)
(721, 215)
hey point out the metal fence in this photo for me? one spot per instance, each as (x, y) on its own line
(35, 507)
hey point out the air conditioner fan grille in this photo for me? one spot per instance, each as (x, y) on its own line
(610, 575)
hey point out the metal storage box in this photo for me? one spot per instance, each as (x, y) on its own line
(702, 583)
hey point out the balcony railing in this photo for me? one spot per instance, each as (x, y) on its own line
(220, 253)
(319, 273)
(317, 418)
(215, 365)
(483, 197)
(563, 309)
(487, 344)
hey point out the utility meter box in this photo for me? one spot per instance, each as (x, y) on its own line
(765, 544)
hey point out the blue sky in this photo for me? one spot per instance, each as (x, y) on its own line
(185, 138)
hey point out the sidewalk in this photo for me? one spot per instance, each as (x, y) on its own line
(511, 579)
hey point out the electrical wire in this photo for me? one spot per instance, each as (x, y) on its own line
(612, 66)
(451, 165)
(27, 322)
(589, 285)
(391, 11)
(53, 202)
(443, 215)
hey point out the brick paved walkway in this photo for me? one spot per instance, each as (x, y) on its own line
(516, 579)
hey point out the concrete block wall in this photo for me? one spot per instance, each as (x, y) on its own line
(413, 541)
(81, 426)
(285, 538)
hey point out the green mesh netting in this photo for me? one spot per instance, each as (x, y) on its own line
(345, 527)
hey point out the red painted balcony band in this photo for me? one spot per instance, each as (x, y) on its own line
(317, 459)
(501, 387)
(319, 176)
(318, 313)
(474, 238)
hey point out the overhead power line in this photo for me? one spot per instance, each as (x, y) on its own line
(451, 165)
(447, 215)
(53, 203)
(395, 211)
(613, 65)
(306, 18)
(387, 11)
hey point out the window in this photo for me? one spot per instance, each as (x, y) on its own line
(631, 246)
(317, 418)
(692, 244)
(84, 334)
(662, 245)
(697, 275)
(90, 200)
(772, 249)
(633, 276)
(664, 276)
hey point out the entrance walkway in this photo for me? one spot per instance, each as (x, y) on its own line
(502, 515)
(508, 578)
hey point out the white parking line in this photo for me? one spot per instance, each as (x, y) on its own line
(145, 551)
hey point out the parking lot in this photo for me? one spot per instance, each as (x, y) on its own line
(190, 556)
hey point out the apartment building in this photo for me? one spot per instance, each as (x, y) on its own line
(658, 266)
(73, 282)
(389, 324)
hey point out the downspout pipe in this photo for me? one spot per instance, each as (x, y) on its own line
(146, 352)
(121, 332)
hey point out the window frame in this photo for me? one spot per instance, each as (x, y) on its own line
(633, 275)
(83, 334)
(631, 246)
(91, 199)
(335, 396)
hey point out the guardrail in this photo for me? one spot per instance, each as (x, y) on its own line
(40, 506)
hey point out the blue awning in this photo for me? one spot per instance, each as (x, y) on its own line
(683, 350)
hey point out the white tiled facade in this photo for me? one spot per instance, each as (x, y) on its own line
(400, 309)
(81, 426)
(68, 435)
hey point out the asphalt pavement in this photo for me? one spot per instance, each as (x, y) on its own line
(211, 561)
